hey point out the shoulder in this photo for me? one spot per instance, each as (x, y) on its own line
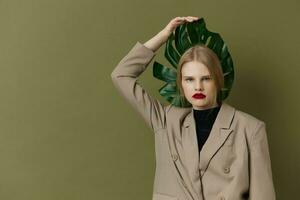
(174, 110)
(249, 122)
(174, 113)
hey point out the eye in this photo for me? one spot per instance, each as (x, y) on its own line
(189, 79)
(206, 78)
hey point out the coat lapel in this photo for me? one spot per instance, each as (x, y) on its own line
(178, 155)
(184, 148)
(191, 154)
(218, 135)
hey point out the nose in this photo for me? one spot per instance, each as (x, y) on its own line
(199, 85)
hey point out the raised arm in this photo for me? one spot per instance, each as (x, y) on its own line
(125, 78)
(127, 71)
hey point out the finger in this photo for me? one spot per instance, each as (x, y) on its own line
(180, 19)
(193, 18)
(189, 19)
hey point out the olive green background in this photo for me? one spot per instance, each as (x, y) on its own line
(65, 132)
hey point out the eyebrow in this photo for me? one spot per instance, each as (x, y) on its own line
(193, 77)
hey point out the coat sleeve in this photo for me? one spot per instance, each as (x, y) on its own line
(261, 181)
(125, 79)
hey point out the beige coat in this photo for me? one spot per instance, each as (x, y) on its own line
(233, 164)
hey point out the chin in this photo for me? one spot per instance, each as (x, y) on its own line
(199, 102)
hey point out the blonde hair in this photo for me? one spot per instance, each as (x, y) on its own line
(206, 56)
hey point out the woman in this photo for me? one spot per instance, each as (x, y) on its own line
(208, 151)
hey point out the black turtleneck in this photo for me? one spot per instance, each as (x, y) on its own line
(204, 120)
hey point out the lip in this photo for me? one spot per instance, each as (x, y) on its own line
(199, 96)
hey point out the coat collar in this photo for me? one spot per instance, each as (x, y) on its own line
(223, 119)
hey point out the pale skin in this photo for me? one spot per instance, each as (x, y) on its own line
(196, 78)
(195, 75)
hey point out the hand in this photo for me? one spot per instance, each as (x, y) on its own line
(159, 39)
(172, 25)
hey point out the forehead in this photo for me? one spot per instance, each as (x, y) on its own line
(194, 68)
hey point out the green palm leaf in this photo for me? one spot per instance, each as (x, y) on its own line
(186, 36)
(164, 73)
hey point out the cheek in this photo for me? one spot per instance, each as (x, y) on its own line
(189, 87)
(186, 89)
(211, 88)
(184, 86)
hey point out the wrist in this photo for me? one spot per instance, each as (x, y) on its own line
(164, 35)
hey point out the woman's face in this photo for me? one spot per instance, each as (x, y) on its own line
(196, 79)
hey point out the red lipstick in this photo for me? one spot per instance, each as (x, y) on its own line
(199, 96)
